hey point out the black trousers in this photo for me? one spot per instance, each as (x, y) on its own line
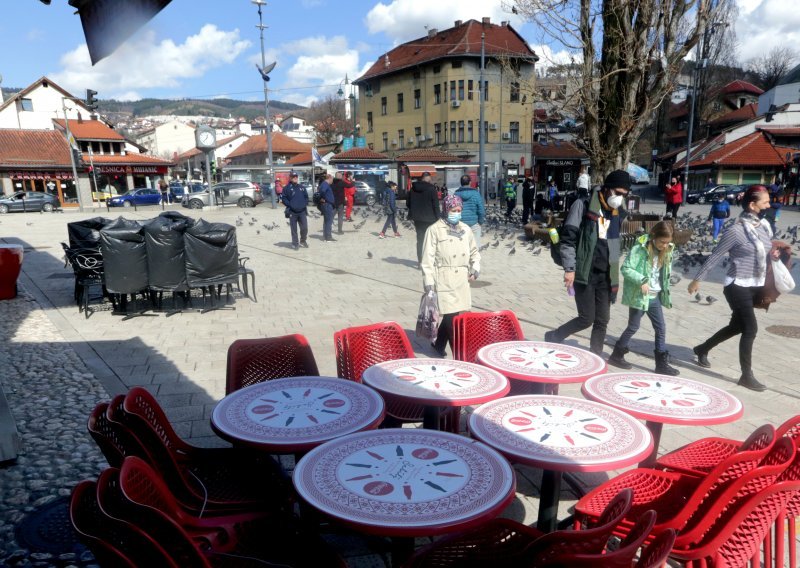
(743, 321)
(593, 301)
(300, 219)
(527, 209)
(445, 334)
(420, 227)
(672, 209)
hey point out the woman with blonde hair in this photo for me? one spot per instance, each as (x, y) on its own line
(645, 289)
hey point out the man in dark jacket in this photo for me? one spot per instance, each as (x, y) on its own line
(590, 251)
(473, 212)
(295, 198)
(423, 208)
(339, 200)
(326, 206)
(527, 200)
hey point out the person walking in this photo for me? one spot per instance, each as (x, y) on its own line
(749, 243)
(423, 208)
(583, 183)
(552, 194)
(510, 193)
(295, 198)
(163, 188)
(590, 250)
(339, 200)
(349, 197)
(720, 211)
(390, 209)
(645, 289)
(673, 195)
(527, 200)
(450, 261)
(473, 213)
(326, 205)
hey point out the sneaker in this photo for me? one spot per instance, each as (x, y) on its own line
(381, 236)
(296, 247)
(397, 235)
(330, 240)
(702, 357)
(550, 337)
(304, 244)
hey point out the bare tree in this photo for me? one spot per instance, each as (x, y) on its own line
(771, 67)
(328, 118)
(641, 45)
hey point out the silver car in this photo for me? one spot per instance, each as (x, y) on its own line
(241, 193)
(365, 194)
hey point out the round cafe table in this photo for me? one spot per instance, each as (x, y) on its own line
(663, 399)
(295, 414)
(405, 482)
(541, 362)
(436, 383)
(560, 434)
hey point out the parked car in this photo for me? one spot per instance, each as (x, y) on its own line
(704, 195)
(29, 201)
(104, 193)
(241, 193)
(365, 194)
(178, 190)
(136, 196)
(734, 193)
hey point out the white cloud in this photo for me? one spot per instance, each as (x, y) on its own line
(765, 24)
(403, 20)
(548, 57)
(143, 62)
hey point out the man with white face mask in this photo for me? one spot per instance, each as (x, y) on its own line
(590, 251)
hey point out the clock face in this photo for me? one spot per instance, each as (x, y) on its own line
(207, 138)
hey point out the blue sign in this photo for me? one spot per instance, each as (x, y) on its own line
(347, 144)
(361, 142)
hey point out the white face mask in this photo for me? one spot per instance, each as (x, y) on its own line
(615, 201)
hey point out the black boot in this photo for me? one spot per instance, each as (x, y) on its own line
(662, 364)
(617, 358)
(702, 356)
(748, 381)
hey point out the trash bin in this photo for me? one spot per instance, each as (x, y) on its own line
(164, 243)
(10, 267)
(86, 233)
(124, 256)
(212, 254)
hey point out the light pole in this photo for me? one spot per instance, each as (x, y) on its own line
(70, 141)
(352, 98)
(481, 131)
(264, 71)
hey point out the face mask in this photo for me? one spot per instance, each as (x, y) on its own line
(615, 201)
(453, 218)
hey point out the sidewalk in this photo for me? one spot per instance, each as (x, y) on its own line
(56, 364)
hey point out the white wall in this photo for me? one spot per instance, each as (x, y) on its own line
(47, 104)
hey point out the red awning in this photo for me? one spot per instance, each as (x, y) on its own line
(417, 169)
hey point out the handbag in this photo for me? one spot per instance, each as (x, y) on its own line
(784, 283)
(778, 279)
(428, 317)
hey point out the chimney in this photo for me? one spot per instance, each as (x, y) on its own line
(458, 23)
(504, 24)
(432, 32)
(80, 118)
(486, 20)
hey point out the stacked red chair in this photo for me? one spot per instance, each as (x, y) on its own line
(252, 361)
(473, 330)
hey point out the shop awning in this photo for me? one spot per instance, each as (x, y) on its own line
(417, 169)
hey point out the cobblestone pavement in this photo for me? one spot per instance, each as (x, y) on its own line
(55, 364)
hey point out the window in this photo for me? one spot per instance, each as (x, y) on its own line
(96, 147)
(106, 148)
(452, 90)
(369, 122)
(417, 98)
(416, 75)
(514, 98)
(26, 104)
(383, 106)
(717, 106)
(399, 102)
(513, 129)
(401, 138)
(742, 102)
(437, 94)
(452, 131)
(417, 132)
(437, 133)
(470, 134)
(368, 89)
(486, 90)
(469, 89)
(460, 130)
(437, 68)
(385, 141)
(461, 89)
(456, 65)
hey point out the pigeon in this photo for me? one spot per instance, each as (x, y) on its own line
(674, 279)
(512, 251)
(484, 247)
(537, 251)
(258, 232)
(369, 254)
(495, 244)
(698, 297)
(710, 299)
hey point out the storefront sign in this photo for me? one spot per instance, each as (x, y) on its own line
(378, 169)
(562, 163)
(131, 170)
(40, 175)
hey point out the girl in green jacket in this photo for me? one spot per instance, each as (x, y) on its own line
(645, 289)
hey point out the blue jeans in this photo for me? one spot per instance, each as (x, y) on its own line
(296, 219)
(718, 226)
(656, 315)
(390, 220)
(327, 221)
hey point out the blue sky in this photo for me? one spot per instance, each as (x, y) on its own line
(205, 48)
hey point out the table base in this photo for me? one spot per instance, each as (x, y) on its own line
(655, 430)
(549, 498)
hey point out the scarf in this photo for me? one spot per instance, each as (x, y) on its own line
(749, 223)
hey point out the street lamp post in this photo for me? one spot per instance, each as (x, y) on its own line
(70, 140)
(264, 71)
(352, 98)
(481, 132)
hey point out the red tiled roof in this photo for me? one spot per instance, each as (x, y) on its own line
(453, 42)
(558, 149)
(739, 115)
(90, 130)
(299, 159)
(281, 144)
(360, 155)
(432, 155)
(678, 110)
(39, 148)
(781, 132)
(188, 154)
(739, 86)
(752, 150)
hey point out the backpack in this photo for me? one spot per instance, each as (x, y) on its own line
(316, 198)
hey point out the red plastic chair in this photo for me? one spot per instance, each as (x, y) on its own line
(504, 542)
(655, 554)
(358, 348)
(219, 479)
(112, 542)
(473, 330)
(700, 457)
(675, 497)
(792, 509)
(252, 361)
(114, 439)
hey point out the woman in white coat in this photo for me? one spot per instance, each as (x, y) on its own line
(450, 261)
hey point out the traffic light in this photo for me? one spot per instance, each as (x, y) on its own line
(213, 165)
(91, 102)
(77, 157)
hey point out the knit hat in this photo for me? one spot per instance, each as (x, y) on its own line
(452, 201)
(618, 179)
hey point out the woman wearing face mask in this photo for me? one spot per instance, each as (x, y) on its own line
(590, 248)
(749, 243)
(450, 261)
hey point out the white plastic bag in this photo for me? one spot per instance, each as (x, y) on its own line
(784, 283)
(428, 317)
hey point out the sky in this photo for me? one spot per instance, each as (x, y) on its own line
(208, 49)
